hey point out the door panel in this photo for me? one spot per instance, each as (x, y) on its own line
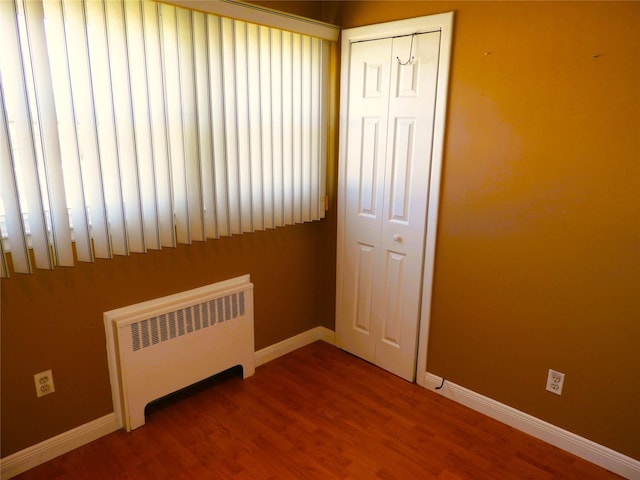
(364, 289)
(373, 78)
(401, 169)
(392, 307)
(366, 147)
(368, 186)
(411, 111)
(390, 126)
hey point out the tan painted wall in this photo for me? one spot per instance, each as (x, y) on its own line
(538, 253)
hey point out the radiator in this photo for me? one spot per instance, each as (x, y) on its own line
(160, 346)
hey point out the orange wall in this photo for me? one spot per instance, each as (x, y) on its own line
(538, 249)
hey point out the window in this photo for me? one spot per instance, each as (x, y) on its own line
(132, 125)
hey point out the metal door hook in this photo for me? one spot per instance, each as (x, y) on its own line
(410, 52)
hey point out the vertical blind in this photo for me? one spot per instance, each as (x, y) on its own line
(132, 125)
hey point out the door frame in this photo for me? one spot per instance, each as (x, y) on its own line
(443, 23)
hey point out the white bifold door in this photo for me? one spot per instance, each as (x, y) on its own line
(384, 190)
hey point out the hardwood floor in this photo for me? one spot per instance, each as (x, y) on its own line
(317, 413)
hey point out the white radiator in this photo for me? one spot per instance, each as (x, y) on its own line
(160, 346)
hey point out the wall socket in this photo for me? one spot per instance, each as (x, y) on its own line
(555, 381)
(44, 383)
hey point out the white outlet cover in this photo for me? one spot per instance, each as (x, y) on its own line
(44, 383)
(555, 382)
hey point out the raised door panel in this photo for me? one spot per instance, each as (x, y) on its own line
(407, 168)
(357, 317)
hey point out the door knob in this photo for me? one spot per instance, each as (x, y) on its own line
(397, 238)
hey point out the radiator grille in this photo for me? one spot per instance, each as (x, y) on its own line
(169, 325)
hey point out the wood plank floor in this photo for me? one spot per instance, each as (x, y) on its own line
(317, 413)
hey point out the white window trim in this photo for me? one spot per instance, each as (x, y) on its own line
(263, 16)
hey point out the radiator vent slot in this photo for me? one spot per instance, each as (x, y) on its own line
(157, 329)
(160, 346)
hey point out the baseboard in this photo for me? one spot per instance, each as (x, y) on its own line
(575, 444)
(293, 343)
(53, 447)
(65, 442)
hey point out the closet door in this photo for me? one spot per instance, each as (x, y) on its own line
(388, 156)
(370, 72)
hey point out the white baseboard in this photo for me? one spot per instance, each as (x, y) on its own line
(60, 444)
(290, 344)
(35, 455)
(575, 444)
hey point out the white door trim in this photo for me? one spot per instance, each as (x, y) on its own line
(444, 24)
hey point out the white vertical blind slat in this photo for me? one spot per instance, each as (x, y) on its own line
(124, 126)
(4, 271)
(89, 166)
(254, 79)
(50, 149)
(266, 148)
(231, 125)
(316, 128)
(190, 126)
(17, 107)
(203, 106)
(323, 120)
(276, 122)
(67, 130)
(306, 125)
(175, 134)
(9, 194)
(218, 130)
(296, 80)
(8, 183)
(141, 116)
(243, 126)
(288, 198)
(159, 127)
(102, 93)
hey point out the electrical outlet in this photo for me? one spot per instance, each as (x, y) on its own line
(555, 381)
(44, 383)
